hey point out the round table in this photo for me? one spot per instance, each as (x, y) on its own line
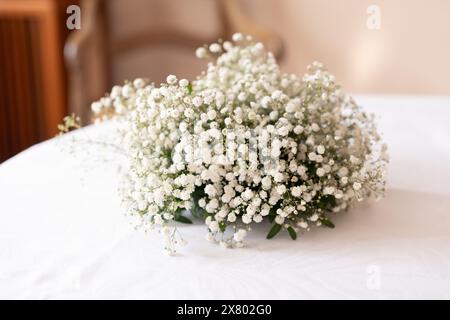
(64, 235)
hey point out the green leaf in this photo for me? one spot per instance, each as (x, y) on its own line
(273, 212)
(189, 88)
(273, 232)
(198, 193)
(327, 223)
(327, 202)
(196, 210)
(292, 233)
(182, 219)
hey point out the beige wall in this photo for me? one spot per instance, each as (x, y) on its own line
(409, 54)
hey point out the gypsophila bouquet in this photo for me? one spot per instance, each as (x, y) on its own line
(242, 144)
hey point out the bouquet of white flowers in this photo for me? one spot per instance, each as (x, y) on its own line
(244, 143)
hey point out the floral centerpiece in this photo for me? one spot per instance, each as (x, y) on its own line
(243, 144)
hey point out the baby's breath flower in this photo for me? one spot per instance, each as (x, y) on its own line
(241, 144)
(201, 53)
(215, 48)
(171, 79)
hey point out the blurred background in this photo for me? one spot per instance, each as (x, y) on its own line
(56, 59)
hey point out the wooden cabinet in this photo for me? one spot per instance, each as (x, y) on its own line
(32, 77)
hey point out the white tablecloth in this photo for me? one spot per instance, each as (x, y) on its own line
(63, 233)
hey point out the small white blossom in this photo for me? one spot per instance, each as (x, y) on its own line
(279, 219)
(215, 47)
(197, 101)
(237, 37)
(201, 53)
(321, 149)
(296, 192)
(303, 224)
(320, 172)
(183, 83)
(246, 218)
(357, 186)
(240, 235)
(171, 79)
(232, 217)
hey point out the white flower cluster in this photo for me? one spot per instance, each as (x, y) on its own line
(245, 143)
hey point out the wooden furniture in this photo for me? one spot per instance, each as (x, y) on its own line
(32, 83)
(89, 52)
